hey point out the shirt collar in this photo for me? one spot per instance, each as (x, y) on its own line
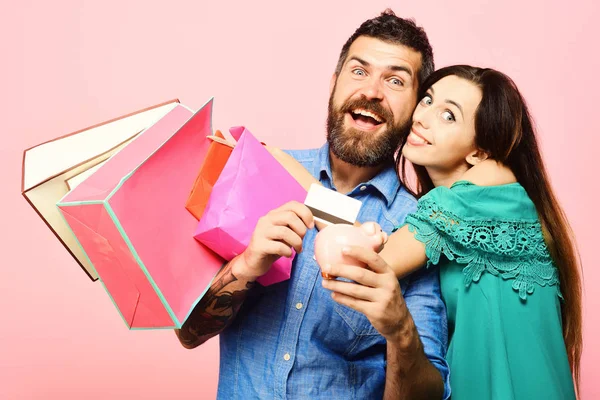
(386, 182)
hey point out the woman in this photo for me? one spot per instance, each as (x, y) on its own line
(487, 215)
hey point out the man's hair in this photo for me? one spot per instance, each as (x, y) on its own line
(389, 28)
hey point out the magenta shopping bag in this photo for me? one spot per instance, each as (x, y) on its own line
(252, 183)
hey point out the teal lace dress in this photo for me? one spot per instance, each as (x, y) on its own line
(501, 290)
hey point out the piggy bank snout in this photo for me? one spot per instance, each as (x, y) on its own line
(330, 241)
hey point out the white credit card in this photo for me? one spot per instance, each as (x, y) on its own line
(331, 207)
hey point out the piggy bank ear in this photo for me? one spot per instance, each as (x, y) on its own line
(371, 228)
(383, 240)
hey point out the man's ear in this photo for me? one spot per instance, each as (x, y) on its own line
(332, 83)
(476, 156)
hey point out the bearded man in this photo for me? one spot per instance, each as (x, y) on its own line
(296, 339)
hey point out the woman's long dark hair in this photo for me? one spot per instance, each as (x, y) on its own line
(504, 130)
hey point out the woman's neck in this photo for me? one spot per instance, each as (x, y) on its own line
(446, 178)
(486, 173)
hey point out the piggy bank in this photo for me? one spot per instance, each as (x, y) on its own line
(330, 241)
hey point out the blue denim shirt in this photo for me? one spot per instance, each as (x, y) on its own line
(291, 340)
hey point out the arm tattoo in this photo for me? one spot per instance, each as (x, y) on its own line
(215, 311)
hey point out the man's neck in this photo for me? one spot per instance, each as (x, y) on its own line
(347, 176)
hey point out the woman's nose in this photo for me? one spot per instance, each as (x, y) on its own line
(421, 116)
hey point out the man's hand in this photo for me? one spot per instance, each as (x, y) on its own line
(274, 236)
(375, 292)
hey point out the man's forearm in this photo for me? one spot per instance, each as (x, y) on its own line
(409, 374)
(218, 307)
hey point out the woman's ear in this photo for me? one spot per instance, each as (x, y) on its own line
(476, 156)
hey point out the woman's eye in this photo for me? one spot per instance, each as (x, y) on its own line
(448, 116)
(427, 100)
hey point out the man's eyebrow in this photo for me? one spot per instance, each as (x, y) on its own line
(360, 60)
(400, 68)
(397, 68)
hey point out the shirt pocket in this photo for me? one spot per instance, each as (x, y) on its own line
(356, 321)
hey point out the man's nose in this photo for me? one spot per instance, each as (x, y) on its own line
(373, 89)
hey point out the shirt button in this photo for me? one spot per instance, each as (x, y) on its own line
(363, 188)
(287, 357)
(298, 306)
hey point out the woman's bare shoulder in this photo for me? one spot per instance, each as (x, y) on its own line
(489, 173)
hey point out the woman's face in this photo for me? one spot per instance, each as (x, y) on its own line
(443, 130)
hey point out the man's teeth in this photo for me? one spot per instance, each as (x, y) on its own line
(366, 113)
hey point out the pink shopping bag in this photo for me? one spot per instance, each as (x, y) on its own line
(252, 183)
(128, 216)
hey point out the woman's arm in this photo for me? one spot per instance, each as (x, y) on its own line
(403, 252)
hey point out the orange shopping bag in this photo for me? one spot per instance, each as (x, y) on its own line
(216, 158)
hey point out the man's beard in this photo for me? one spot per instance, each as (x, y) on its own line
(359, 148)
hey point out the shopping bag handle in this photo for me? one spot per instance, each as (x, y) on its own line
(221, 140)
(236, 133)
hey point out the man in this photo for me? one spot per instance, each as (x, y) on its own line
(337, 340)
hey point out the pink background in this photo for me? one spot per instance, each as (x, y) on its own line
(69, 64)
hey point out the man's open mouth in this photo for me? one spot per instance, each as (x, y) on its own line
(366, 118)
